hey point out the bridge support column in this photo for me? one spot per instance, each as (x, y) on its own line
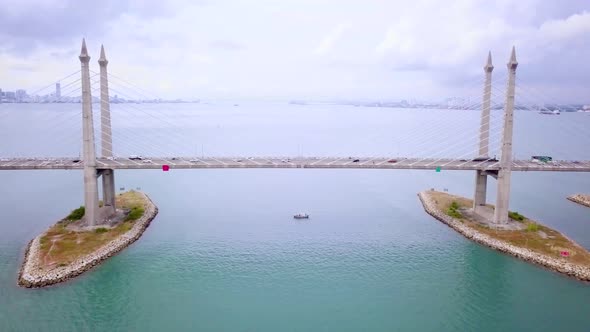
(481, 187)
(481, 179)
(503, 194)
(89, 153)
(108, 190)
(108, 175)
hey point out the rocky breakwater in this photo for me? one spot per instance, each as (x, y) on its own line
(32, 273)
(580, 199)
(560, 265)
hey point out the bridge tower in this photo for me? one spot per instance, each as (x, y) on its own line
(88, 148)
(503, 193)
(108, 175)
(481, 178)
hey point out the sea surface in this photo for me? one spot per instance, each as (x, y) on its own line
(225, 254)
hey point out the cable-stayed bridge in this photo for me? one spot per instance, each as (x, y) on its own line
(470, 149)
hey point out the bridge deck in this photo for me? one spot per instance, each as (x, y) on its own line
(300, 162)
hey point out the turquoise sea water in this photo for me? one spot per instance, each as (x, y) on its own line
(225, 254)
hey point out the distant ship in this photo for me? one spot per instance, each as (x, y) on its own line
(546, 111)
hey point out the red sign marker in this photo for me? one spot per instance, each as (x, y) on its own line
(565, 253)
(165, 168)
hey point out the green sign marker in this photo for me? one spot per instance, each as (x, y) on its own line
(438, 169)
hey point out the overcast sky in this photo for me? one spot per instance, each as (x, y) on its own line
(309, 49)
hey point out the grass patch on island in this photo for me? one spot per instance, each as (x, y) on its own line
(61, 246)
(101, 230)
(533, 236)
(532, 227)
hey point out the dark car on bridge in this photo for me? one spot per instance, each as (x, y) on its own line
(485, 159)
(542, 159)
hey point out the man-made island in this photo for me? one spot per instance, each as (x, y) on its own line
(522, 237)
(581, 199)
(69, 248)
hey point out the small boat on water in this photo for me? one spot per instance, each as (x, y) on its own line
(546, 111)
(301, 216)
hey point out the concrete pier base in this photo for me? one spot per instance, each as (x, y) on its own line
(34, 273)
(90, 196)
(108, 189)
(481, 186)
(502, 197)
(553, 261)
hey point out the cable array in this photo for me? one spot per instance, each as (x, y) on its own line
(431, 137)
(44, 130)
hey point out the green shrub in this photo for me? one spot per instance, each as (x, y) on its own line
(453, 211)
(134, 214)
(101, 230)
(516, 216)
(77, 214)
(532, 227)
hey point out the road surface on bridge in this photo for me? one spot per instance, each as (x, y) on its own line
(299, 162)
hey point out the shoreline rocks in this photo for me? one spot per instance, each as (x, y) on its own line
(558, 265)
(31, 276)
(580, 199)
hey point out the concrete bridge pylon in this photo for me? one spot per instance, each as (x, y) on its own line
(503, 192)
(88, 147)
(108, 175)
(481, 178)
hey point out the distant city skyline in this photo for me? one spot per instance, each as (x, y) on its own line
(21, 96)
(304, 49)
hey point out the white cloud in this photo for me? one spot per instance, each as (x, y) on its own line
(574, 26)
(16, 7)
(330, 39)
(307, 48)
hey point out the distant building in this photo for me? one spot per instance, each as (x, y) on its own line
(9, 97)
(458, 103)
(20, 96)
